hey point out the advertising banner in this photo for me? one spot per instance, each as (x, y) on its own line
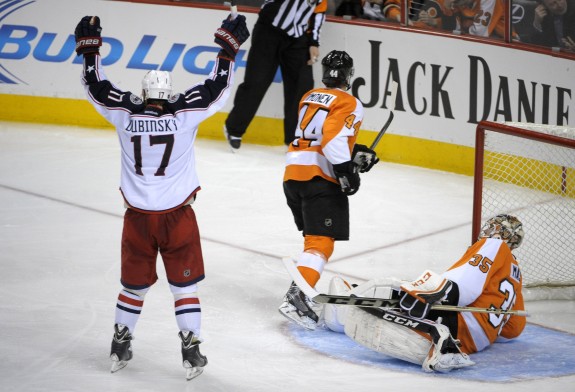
(446, 85)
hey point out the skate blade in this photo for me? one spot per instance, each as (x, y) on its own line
(304, 322)
(117, 364)
(193, 372)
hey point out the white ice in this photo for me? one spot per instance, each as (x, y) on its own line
(60, 226)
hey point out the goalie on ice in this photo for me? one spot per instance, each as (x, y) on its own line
(486, 276)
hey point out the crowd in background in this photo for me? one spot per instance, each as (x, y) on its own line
(547, 23)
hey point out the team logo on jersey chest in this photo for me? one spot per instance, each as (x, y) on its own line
(328, 222)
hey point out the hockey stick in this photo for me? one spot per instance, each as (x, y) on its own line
(394, 87)
(383, 302)
(233, 9)
(369, 302)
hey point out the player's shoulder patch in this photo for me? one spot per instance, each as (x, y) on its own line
(135, 99)
(174, 98)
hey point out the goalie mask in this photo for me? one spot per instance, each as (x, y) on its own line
(337, 69)
(157, 85)
(505, 227)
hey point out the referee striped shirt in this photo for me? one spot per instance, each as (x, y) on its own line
(296, 17)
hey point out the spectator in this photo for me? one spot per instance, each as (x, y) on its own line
(286, 34)
(392, 10)
(351, 8)
(554, 22)
(373, 10)
(433, 14)
(484, 18)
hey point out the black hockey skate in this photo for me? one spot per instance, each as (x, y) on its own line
(192, 359)
(298, 308)
(121, 351)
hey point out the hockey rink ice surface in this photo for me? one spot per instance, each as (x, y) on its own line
(61, 222)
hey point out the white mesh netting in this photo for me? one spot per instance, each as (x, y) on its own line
(535, 181)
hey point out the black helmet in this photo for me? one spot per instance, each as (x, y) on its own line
(337, 69)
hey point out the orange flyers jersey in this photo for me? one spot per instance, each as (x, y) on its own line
(488, 276)
(329, 120)
(487, 18)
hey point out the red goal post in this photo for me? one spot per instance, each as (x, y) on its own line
(528, 170)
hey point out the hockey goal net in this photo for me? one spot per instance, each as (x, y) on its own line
(528, 170)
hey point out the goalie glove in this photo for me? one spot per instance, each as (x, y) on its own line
(88, 35)
(364, 157)
(231, 35)
(420, 294)
(348, 176)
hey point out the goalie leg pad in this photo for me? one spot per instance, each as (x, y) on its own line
(379, 288)
(334, 315)
(386, 337)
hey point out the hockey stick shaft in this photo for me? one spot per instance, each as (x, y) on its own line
(382, 132)
(384, 302)
(376, 302)
(454, 308)
(233, 9)
(394, 87)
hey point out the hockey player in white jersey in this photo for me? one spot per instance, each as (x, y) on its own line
(159, 182)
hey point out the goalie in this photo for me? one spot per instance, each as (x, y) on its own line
(486, 276)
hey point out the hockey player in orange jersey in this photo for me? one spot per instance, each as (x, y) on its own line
(487, 276)
(322, 169)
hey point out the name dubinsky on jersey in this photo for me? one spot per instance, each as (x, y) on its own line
(328, 123)
(488, 276)
(157, 155)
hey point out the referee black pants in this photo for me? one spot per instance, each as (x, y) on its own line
(272, 48)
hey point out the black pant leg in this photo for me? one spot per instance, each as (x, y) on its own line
(261, 67)
(298, 79)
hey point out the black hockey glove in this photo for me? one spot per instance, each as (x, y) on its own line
(436, 290)
(364, 157)
(231, 35)
(88, 39)
(348, 176)
(414, 307)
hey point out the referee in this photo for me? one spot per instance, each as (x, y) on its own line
(286, 34)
